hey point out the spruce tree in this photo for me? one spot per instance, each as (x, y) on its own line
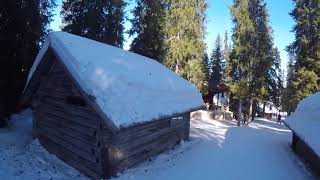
(184, 39)
(207, 71)
(242, 52)
(227, 74)
(217, 67)
(147, 27)
(99, 20)
(23, 25)
(306, 50)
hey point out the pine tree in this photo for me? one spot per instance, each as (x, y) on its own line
(306, 50)
(184, 39)
(242, 52)
(217, 67)
(147, 26)
(227, 74)
(99, 20)
(289, 102)
(23, 25)
(207, 71)
(262, 43)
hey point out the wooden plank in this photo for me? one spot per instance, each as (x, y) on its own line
(84, 111)
(147, 151)
(133, 141)
(68, 125)
(70, 117)
(67, 145)
(88, 140)
(82, 165)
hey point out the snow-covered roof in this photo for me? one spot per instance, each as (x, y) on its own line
(129, 88)
(305, 121)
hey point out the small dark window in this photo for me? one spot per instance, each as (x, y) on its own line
(76, 101)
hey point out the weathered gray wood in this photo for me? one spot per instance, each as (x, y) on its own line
(68, 144)
(80, 136)
(71, 158)
(71, 117)
(60, 123)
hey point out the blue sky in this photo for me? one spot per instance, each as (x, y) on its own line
(219, 21)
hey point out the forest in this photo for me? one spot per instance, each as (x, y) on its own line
(172, 32)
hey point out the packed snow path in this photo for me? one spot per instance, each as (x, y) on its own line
(216, 150)
(221, 150)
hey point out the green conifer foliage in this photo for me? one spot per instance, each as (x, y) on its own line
(184, 39)
(147, 27)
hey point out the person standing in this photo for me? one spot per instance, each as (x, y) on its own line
(279, 119)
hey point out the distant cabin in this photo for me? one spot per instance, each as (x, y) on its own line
(102, 109)
(305, 125)
(219, 98)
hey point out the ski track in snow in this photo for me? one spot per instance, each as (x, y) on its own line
(216, 150)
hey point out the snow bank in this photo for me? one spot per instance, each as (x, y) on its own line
(305, 121)
(128, 87)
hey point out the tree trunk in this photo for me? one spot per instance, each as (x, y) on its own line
(250, 110)
(264, 108)
(239, 111)
(227, 100)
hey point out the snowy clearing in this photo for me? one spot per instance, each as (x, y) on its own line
(216, 150)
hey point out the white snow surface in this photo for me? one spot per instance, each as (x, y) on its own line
(305, 121)
(129, 88)
(216, 150)
(221, 150)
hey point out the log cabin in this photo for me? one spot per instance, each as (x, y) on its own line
(102, 109)
(305, 126)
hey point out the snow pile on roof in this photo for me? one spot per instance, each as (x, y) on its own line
(128, 87)
(305, 121)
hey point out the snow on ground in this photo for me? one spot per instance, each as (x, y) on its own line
(216, 150)
(117, 78)
(23, 158)
(305, 121)
(221, 150)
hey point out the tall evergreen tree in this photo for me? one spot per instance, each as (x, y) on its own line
(147, 26)
(227, 74)
(23, 25)
(99, 20)
(289, 102)
(184, 39)
(217, 67)
(305, 49)
(207, 71)
(242, 52)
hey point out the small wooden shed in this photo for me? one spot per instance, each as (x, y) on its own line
(305, 126)
(102, 109)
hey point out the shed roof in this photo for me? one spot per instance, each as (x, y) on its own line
(129, 88)
(305, 121)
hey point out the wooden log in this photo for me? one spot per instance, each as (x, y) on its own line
(68, 125)
(70, 117)
(67, 145)
(88, 140)
(82, 165)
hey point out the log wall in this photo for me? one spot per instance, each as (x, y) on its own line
(65, 124)
(139, 143)
(306, 153)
